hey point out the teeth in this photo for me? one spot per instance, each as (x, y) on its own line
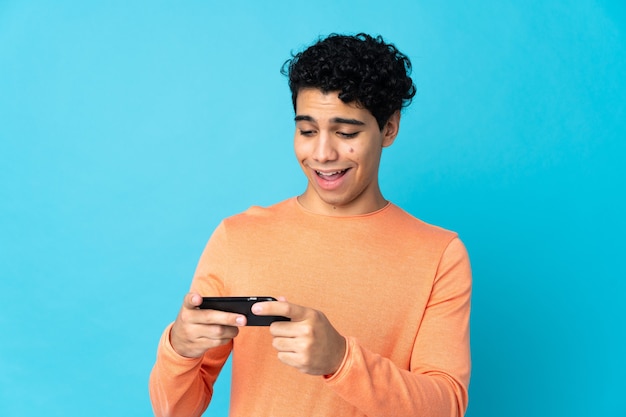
(329, 174)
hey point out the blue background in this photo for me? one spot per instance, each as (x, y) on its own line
(129, 129)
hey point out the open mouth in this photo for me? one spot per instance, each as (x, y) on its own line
(331, 175)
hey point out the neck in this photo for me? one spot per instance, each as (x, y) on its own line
(311, 201)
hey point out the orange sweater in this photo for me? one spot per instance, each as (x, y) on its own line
(396, 287)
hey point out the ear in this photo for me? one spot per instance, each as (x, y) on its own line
(391, 129)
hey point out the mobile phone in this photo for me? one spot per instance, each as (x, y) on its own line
(241, 305)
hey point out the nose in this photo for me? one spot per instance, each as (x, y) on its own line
(325, 148)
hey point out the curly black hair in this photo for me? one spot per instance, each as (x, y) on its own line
(363, 69)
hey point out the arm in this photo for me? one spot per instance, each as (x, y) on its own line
(191, 353)
(184, 386)
(193, 349)
(436, 384)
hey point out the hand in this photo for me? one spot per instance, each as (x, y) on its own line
(308, 342)
(195, 331)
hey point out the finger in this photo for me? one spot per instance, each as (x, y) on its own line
(192, 314)
(287, 343)
(222, 318)
(291, 359)
(192, 340)
(192, 300)
(218, 332)
(280, 308)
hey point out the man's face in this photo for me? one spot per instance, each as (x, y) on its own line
(339, 146)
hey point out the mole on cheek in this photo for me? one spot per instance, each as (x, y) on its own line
(351, 150)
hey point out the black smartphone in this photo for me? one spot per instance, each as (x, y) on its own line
(241, 305)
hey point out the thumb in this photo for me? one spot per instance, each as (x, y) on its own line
(192, 300)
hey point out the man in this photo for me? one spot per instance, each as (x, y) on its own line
(378, 300)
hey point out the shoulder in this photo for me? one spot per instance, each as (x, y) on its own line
(256, 216)
(405, 223)
(428, 241)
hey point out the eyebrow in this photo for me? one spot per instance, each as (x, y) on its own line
(339, 120)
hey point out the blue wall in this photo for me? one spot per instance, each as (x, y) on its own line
(128, 130)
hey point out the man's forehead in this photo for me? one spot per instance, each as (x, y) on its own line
(312, 103)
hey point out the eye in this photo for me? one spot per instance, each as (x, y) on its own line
(347, 135)
(304, 132)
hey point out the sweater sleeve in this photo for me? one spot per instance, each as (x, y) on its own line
(181, 386)
(436, 383)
